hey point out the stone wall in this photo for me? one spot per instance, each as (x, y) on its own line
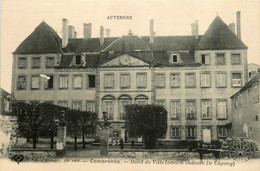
(34, 155)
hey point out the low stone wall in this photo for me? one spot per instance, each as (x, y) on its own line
(181, 154)
(34, 154)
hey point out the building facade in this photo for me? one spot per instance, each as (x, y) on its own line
(246, 110)
(191, 76)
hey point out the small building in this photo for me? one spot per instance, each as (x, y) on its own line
(246, 111)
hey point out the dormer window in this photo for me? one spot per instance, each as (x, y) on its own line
(78, 59)
(205, 59)
(174, 58)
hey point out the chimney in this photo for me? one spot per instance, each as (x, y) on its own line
(101, 35)
(238, 25)
(87, 28)
(195, 29)
(71, 32)
(75, 34)
(65, 33)
(232, 27)
(152, 33)
(107, 32)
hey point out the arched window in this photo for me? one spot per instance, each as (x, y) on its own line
(141, 100)
(123, 100)
(108, 106)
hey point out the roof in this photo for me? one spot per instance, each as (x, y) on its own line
(172, 43)
(219, 37)
(254, 80)
(79, 45)
(5, 93)
(126, 44)
(41, 41)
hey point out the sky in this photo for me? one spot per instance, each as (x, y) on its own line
(20, 17)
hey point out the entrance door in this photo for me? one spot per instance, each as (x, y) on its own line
(206, 136)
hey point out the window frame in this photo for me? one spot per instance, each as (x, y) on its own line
(113, 81)
(88, 81)
(201, 107)
(63, 101)
(179, 106)
(164, 80)
(195, 108)
(64, 75)
(139, 74)
(25, 87)
(217, 113)
(26, 62)
(111, 99)
(206, 86)
(73, 82)
(33, 67)
(205, 58)
(46, 59)
(171, 132)
(241, 79)
(222, 127)
(76, 101)
(225, 58)
(141, 98)
(123, 98)
(80, 62)
(216, 80)
(231, 59)
(195, 131)
(47, 88)
(129, 80)
(94, 106)
(175, 73)
(195, 82)
(39, 82)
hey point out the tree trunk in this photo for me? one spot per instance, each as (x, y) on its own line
(83, 140)
(52, 141)
(75, 142)
(34, 142)
(28, 139)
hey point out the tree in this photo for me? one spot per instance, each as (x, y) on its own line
(73, 124)
(148, 121)
(30, 120)
(51, 113)
(87, 121)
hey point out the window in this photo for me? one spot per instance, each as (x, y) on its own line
(141, 100)
(205, 59)
(190, 80)
(21, 83)
(125, 80)
(76, 105)
(236, 80)
(206, 109)
(77, 81)
(7, 105)
(48, 83)
(222, 109)
(220, 59)
(36, 62)
(205, 80)
(90, 106)
(161, 103)
(49, 62)
(175, 109)
(35, 82)
(63, 82)
(124, 100)
(223, 131)
(235, 59)
(191, 132)
(175, 132)
(91, 81)
(109, 108)
(63, 103)
(174, 58)
(78, 59)
(190, 109)
(160, 80)
(109, 80)
(141, 80)
(22, 63)
(175, 80)
(221, 80)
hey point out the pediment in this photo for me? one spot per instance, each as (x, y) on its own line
(125, 60)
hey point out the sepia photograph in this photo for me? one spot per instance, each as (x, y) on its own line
(133, 85)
